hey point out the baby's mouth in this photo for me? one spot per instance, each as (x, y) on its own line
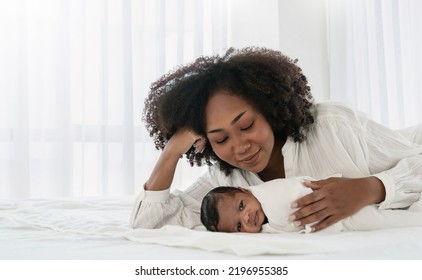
(255, 218)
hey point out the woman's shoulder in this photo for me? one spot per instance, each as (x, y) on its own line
(328, 108)
(332, 111)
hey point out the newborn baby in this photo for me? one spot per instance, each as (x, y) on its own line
(266, 208)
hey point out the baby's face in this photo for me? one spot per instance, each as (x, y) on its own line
(240, 212)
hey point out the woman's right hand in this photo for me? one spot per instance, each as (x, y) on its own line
(183, 140)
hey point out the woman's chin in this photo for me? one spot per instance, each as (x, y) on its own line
(254, 169)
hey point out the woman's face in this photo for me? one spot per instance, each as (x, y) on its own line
(238, 133)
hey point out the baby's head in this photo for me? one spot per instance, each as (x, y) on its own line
(231, 209)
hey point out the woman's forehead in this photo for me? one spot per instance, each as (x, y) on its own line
(224, 109)
(225, 98)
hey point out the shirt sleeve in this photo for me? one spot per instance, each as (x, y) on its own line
(154, 209)
(393, 156)
(396, 160)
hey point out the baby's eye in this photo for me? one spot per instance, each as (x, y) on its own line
(239, 227)
(241, 205)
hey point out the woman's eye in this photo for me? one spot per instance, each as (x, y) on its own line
(241, 205)
(248, 127)
(239, 227)
(221, 141)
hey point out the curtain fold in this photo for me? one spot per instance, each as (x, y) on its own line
(375, 58)
(73, 78)
(74, 75)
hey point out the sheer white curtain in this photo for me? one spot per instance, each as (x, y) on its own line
(73, 77)
(376, 59)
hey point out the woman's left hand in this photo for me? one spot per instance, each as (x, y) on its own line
(334, 199)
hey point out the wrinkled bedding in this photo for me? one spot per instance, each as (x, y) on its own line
(98, 228)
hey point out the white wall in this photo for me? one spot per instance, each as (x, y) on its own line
(253, 23)
(297, 28)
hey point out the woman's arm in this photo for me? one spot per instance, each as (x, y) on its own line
(386, 168)
(397, 162)
(154, 209)
(163, 172)
(155, 206)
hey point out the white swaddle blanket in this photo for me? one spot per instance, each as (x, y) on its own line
(276, 196)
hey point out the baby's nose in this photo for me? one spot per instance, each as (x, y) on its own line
(246, 217)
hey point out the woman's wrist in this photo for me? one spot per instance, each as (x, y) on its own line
(171, 154)
(163, 172)
(376, 190)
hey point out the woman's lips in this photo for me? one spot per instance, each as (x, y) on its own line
(251, 158)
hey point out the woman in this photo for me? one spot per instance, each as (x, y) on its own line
(251, 117)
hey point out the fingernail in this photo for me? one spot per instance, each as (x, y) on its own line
(296, 224)
(293, 205)
(292, 217)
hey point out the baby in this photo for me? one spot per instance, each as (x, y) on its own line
(266, 208)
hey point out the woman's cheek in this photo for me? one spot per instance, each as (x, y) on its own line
(221, 152)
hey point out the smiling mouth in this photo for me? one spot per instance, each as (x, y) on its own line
(252, 220)
(249, 158)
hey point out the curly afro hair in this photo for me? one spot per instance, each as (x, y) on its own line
(271, 82)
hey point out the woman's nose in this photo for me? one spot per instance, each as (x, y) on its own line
(241, 146)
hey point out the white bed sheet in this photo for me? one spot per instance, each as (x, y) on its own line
(98, 228)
